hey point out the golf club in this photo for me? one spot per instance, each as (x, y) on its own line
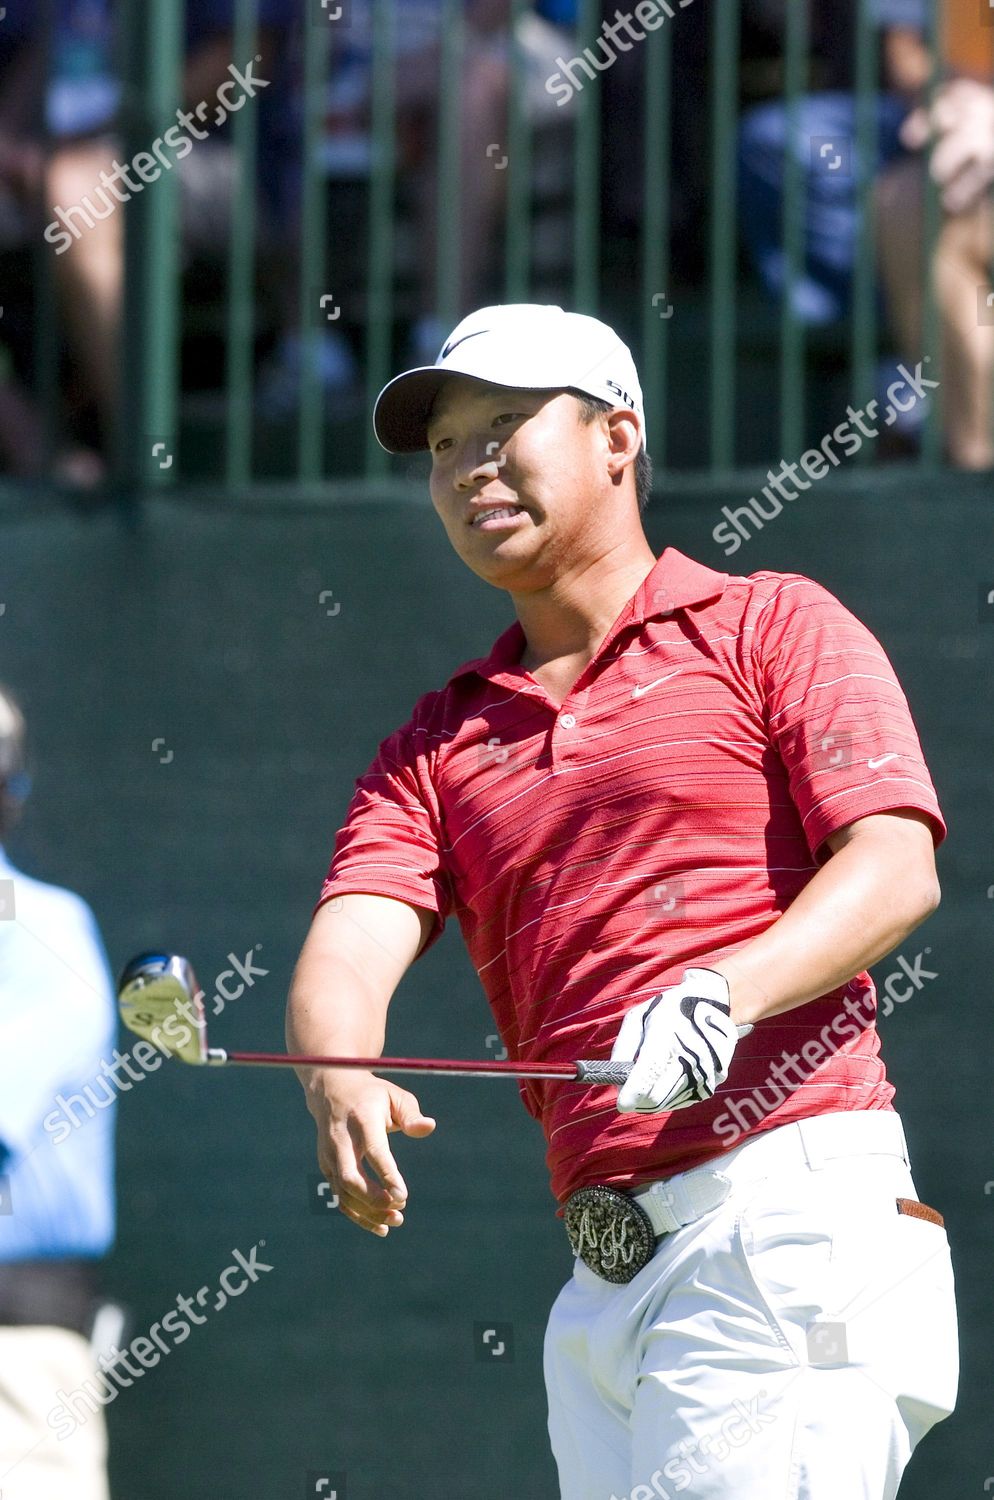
(159, 999)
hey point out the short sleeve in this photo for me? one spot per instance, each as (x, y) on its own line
(835, 713)
(390, 843)
(59, 990)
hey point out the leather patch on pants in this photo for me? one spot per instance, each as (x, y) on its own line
(917, 1210)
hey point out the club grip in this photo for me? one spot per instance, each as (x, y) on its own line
(603, 1072)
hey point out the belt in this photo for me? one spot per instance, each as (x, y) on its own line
(47, 1294)
(615, 1233)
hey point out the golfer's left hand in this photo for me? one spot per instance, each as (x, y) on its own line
(680, 1043)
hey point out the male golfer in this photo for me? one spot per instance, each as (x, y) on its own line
(677, 813)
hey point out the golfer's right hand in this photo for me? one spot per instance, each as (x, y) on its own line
(354, 1113)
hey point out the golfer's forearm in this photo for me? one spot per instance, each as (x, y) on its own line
(331, 1009)
(859, 906)
(356, 953)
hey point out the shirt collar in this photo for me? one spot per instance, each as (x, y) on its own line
(675, 582)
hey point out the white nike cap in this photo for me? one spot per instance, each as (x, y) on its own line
(522, 345)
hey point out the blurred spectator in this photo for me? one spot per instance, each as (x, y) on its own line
(81, 97)
(22, 90)
(484, 88)
(827, 118)
(961, 129)
(483, 137)
(82, 108)
(57, 1021)
(86, 226)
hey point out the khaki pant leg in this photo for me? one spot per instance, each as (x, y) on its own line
(36, 1364)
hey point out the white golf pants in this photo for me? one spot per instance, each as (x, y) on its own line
(35, 1464)
(794, 1343)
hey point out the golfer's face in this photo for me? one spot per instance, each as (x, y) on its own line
(507, 471)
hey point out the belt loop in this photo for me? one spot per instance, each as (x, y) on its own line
(677, 1199)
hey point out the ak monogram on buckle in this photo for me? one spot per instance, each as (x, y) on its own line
(609, 1232)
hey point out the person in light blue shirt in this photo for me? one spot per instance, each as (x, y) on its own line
(57, 1027)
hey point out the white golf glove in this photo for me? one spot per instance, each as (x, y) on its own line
(680, 1044)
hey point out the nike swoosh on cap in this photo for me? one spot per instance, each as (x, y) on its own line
(449, 347)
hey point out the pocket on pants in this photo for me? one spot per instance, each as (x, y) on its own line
(901, 1323)
(787, 1241)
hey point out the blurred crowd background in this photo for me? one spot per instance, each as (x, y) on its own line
(926, 112)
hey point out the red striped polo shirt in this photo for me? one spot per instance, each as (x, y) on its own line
(666, 813)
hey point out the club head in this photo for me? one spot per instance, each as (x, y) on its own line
(159, 999)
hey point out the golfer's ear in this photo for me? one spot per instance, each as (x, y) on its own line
(624, 438)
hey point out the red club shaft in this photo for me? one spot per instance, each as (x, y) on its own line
(468, 1069)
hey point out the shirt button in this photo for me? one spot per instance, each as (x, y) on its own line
(567, 720)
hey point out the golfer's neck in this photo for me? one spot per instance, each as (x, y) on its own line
(570, 618)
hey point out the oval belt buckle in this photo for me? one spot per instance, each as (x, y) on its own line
(609, 1231)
